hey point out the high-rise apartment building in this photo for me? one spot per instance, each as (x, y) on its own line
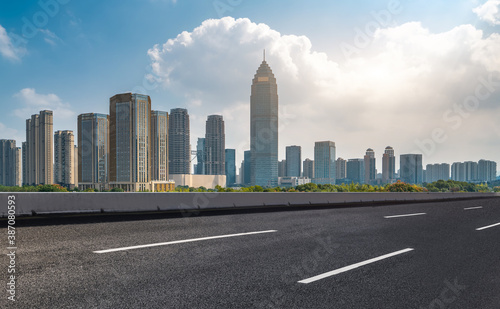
(264, 127)
(159, 146)
(388, 165)
(64, 160)
(215, 143)
(178, 142)
(324, 163)
(464, 171)
(130, 141)
(411, 170)
(93, 151)
(9, 163)
(486, 170)
(370, 167)
(230, 167)
(435, 172)
(39, 149)
(355, 170)
(308, 168)
(341, 168)
(293, 161)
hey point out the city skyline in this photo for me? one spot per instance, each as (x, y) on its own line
(378, 96)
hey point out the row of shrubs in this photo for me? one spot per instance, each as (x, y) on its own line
(438, 186)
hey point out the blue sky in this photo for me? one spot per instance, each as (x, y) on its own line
(84, 52)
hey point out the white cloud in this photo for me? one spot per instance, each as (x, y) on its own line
(33, 102)
(7, 48)
(9, 133)
(396, 91)
(490, 12)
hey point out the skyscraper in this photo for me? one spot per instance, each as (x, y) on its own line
(355, 170)
(411, 168)
(230, 167)
(159, 146)
(93, 151)
(24, 164)
(487, 170)
(18, 173)
(215, 143)
(8, 162)
(324, 163)
(130, 141)
(341, 168)
(370, 167)
(264, 127)
(282, 168)
(308, 168)
(247, 164)
(293, 161)
(200, 156)
(75, 165)
(39, 149)
(388, 165)
(178, 142)
(64, 160)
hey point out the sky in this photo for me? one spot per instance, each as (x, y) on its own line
(420, 76)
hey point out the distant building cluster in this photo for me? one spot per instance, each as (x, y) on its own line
(136, 148)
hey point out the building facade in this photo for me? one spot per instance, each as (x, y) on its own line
(282, 168)
(9, 163)
(486, 170)
(178, 142)
(293, 161)
(93, 151)
(411, 169)
(341, 169)
(130, 142)
(264, 128)
(39, 149)
(435, 172)
(215, 145)
(388, 165)
(159, 146)
(64, 158)
(355, 170)
(247, 167)
(230, 167)
(370, 167)
(324, 163)
(308, 168)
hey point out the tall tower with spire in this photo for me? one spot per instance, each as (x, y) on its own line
(264, 127)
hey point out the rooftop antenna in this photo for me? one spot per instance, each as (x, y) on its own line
(264, 55)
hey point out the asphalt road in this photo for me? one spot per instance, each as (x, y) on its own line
(447, 263)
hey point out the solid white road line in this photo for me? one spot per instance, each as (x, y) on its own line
(181, 241)
(353, 266)
(408, 215)
(487, 227)
(471, 208)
